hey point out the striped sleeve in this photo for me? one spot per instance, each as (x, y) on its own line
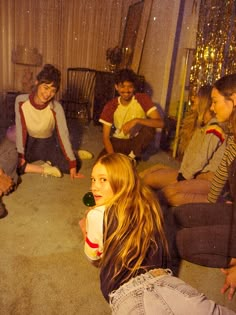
(216, 130)
(221, 175)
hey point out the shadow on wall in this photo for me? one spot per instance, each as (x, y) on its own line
(160, 141)
(155, 145)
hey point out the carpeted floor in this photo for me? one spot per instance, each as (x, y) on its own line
(43, 269)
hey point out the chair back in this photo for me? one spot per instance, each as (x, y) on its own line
(79, 98)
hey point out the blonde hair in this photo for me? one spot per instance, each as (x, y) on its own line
(132, 219)
(194, 118)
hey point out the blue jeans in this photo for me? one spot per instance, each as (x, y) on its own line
(162, 294)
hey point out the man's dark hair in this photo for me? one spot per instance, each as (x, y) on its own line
(126, 75)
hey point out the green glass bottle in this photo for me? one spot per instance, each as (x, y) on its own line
(88, 199)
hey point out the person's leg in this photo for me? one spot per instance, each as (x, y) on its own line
(160, 177)
(152, 169)
(171, 228)
(45, 150)
(142, 140)
(136, 144)
(162, 294)
(119, 146)
(203, 214)
(45, 169)
(187, 191)
(206, 233)
(206, 245)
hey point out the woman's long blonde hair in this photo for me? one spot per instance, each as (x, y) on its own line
(194, 118)
(132, 220)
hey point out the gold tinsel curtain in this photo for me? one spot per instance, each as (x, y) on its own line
(215, 54)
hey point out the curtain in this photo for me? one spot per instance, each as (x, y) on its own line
(67, 33)
(215, 55)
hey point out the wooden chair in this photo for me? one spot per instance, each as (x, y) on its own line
(79, 97)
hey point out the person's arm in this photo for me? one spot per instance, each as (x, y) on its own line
(221, 174)
(64, 139)
(21, 131)
(230, 281)
(193, 164)
(75, 174)
(106, 138)
(93, 245)
(153, 120)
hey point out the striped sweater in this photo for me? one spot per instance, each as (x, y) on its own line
(221, 175)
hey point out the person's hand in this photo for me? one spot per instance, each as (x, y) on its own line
(74, 174)
(6, 183)
(127, 127)
(230, 281)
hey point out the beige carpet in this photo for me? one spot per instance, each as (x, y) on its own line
(43, 270)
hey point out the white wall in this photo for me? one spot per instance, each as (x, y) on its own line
(160, 49)
(187, 40)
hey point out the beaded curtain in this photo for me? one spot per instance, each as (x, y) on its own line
(215, 54)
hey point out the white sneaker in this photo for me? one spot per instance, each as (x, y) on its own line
(49, 170)
(85, 155)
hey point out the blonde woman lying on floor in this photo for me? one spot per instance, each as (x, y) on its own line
(202, 156)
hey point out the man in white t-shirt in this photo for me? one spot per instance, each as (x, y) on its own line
(133, 116)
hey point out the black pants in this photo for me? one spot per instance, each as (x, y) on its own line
(207, 231)
(48, 150)
(206, 234)
(137, 144)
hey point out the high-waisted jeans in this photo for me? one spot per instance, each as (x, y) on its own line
(158, 292)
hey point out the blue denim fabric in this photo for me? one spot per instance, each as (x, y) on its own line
(162, 295)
